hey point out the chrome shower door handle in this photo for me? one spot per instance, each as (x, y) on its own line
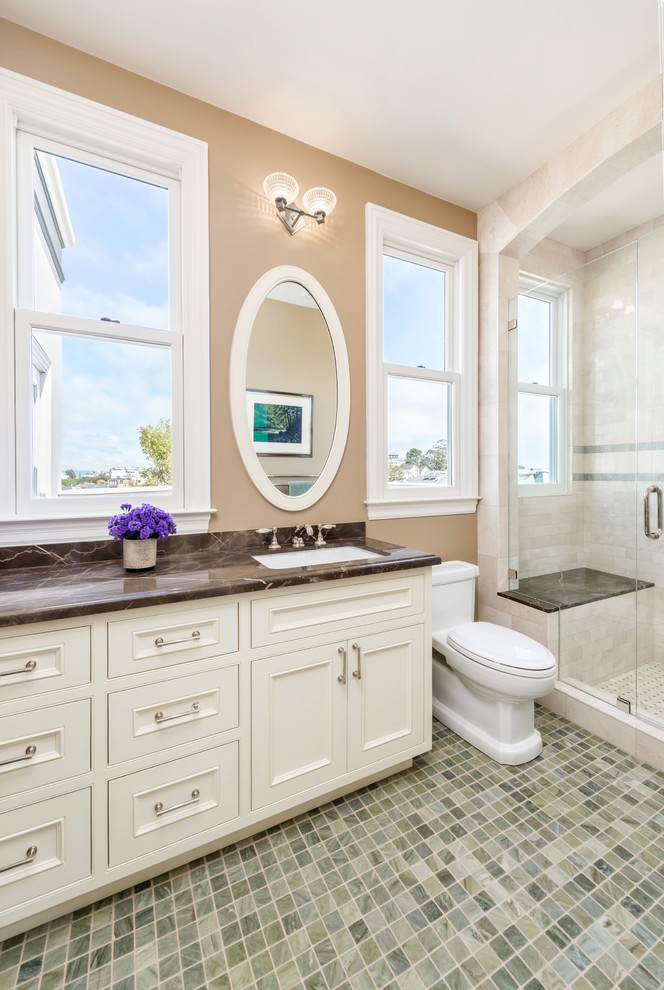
(652, 534)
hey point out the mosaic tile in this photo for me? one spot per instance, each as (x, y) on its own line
(458, 873)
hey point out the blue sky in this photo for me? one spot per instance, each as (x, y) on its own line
(534, 367)
(414, 335)
(117, 268)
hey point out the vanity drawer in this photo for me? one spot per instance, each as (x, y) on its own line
(173, 802)
(38, 662)
(44, 848)
(152, 643)
(43, 746)
(333, 607)
(152, 718)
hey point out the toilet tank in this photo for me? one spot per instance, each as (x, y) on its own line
(452, 594)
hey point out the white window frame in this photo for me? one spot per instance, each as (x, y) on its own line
(57, 118)
(559, 297)
(393, 233)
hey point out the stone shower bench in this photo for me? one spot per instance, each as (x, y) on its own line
(568, 589)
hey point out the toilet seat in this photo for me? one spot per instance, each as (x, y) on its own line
(502, 649)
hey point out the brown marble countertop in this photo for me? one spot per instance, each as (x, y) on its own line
(59, 581)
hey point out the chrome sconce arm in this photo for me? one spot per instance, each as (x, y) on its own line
(282, 189)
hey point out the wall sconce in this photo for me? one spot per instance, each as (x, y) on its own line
(282, 189)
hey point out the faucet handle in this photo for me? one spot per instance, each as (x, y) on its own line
(323, 528)
(270, 529)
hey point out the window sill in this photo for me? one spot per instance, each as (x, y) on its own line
(534, 491)
(25, 530)
(405, 508)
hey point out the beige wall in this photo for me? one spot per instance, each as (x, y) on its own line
(301, 333)
(246, 240)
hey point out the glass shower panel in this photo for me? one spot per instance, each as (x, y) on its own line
(598, 620)
(648, 694)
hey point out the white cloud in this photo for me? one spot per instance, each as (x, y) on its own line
(79, 301)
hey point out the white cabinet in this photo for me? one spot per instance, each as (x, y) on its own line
(130, 744)
(298, 722)
(347, 705)
(386, 717)
(43, 848)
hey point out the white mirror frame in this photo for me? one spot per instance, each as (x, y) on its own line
(238, 380)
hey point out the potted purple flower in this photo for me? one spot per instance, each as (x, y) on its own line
(139, 529)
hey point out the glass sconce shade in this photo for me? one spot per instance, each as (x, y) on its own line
(319, 200)
(281, 185)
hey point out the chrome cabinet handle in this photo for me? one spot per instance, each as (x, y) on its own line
(160, 641)
(195, 798)
(342, 676)
(30, 854)
(652, 490)
(30, 666)
(358, 672)
(160, 718)
(29, 753)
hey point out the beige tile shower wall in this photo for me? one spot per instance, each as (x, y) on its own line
(550, 533)
(610, 527)
(597, 641)
(607, 372)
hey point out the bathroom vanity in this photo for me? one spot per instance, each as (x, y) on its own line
(148, 719)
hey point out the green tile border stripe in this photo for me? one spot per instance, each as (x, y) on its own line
(647, 477)
(615, 448)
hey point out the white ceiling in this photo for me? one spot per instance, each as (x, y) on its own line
(632, 200)
(459, 98)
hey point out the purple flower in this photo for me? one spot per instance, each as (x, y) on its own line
(143, 522)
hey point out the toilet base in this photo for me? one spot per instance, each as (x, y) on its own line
(515, 739)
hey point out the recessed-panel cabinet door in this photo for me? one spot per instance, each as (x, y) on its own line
(385, 685)
(298, 722)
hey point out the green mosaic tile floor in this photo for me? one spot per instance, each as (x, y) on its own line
(458, 873)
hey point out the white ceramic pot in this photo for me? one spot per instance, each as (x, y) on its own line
(139, 555)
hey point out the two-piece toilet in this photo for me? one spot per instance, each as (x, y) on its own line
(485, 688)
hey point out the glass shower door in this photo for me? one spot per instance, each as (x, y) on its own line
(649, 681)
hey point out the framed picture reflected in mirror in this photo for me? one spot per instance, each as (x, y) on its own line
(281, 423)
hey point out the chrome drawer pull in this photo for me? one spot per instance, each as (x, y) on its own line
(29, 753)
(358, 673)
(159, 641)
(195, 798)
(30, 666)
(30, 854)
(159, 717)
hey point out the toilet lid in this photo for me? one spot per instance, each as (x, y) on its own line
(491, 644)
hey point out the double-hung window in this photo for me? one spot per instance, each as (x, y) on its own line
(541, 415)
(104, 319)
(422, 368)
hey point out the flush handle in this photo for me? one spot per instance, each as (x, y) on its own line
(650, 533)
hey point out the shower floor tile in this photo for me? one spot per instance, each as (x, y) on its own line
(456, 874)
(644, 687)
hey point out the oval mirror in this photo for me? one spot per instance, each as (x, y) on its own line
(290, 388)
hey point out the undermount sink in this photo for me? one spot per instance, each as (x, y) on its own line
(311, 555)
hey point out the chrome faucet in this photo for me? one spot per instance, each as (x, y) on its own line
(270, 529)
(298, 541)
(322, 528)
